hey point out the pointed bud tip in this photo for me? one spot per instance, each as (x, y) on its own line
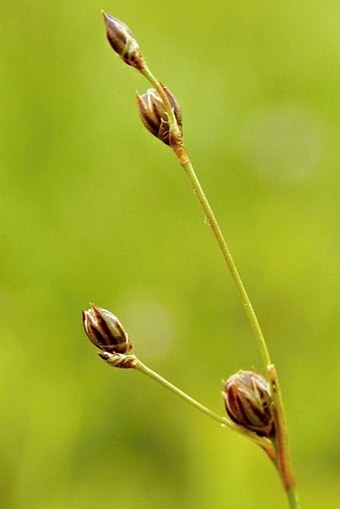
(122, 41)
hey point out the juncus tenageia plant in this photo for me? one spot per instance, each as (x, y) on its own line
(253, 403)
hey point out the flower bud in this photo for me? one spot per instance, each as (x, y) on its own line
(105, 331)
(153, 115)
(123, 42)
(248, 402)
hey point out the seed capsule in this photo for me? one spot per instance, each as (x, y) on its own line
(248, 402)
(153, 115)
(123, 42)
(105, 331)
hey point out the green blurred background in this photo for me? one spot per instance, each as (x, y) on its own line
(93, 209)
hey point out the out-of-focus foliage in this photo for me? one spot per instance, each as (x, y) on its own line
(93, 209)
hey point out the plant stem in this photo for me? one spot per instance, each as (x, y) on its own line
(293, 499)
(283, 460)
(155, 376)
(156, 83)
(263, 442)
(211, 218)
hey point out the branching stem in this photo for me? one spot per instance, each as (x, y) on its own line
(123, 42)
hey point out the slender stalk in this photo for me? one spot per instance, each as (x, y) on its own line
(155, 82)
(283, 459)
(155, 376)
(211, 218)
(284, 462)
(293, 499)
(263, 442)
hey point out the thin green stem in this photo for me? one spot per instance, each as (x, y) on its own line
(283, 459)
(155, 376)
(211, 218)
(263, 442)
(155, 82)
(284, 462)
(293, 499)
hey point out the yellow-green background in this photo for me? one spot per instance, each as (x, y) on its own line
(93, 209)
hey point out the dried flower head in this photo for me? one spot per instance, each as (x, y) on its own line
(154, 116)
(248, 402)
(105, 331)
(123, 42)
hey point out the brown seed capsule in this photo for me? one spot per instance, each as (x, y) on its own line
(248, 402)
(123, 41)
(153, 115)
(105, 331)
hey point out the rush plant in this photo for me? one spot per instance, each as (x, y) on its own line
(253, 402)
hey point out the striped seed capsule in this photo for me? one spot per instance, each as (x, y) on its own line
(105, 331)
(123, 42)
(248, 402)
(153, 115)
